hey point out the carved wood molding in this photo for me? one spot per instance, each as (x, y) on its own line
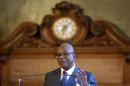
(95, 33)
(78, 50)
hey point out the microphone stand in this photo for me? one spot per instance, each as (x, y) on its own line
(19, 82)
(27, 76)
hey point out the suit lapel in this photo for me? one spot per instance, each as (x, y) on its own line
(56, 77)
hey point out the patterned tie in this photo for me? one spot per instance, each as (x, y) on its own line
(64, 79)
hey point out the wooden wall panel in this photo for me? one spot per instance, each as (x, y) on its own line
(127, 73)
(104, 67)
(30, 65)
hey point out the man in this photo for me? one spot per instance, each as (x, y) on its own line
(69, 74)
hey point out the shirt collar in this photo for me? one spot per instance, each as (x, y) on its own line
(70, 71)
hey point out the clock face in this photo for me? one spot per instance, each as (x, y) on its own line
(64, 28)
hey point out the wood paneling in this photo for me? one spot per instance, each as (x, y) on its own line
(127, 73)
(104, 66)
(108, 68)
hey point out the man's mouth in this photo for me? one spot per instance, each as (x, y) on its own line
(62, 62)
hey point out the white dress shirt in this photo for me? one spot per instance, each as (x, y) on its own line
(69, 72)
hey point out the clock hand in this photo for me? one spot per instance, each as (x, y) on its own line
(64, 28)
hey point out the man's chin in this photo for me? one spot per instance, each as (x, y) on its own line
(63, 66)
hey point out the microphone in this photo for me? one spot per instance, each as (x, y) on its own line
(33, 75)
(28, 76)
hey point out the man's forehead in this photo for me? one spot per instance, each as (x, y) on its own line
(65, 48)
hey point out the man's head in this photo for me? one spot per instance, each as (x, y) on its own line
(65, 56)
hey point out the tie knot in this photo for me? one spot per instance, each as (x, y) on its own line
(64, 73)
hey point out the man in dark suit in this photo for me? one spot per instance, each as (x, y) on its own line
(69, 74)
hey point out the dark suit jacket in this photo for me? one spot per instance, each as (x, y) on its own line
(53, 78)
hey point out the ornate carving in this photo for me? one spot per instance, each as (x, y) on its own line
(31, 29)
(32, 36)
(90, 33)
(64, 9)
(97, 29)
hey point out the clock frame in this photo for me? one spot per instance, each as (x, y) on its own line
(62, 12)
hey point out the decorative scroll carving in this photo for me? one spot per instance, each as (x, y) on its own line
(32, 36)
(97, 29)
(97, 33)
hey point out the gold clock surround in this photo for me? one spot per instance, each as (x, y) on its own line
(55, 28)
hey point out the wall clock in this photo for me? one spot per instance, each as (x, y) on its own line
(64, 28)
(66, 24)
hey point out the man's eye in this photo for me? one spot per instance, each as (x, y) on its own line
(58, 55)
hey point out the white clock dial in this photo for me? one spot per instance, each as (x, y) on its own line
(64, 28)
